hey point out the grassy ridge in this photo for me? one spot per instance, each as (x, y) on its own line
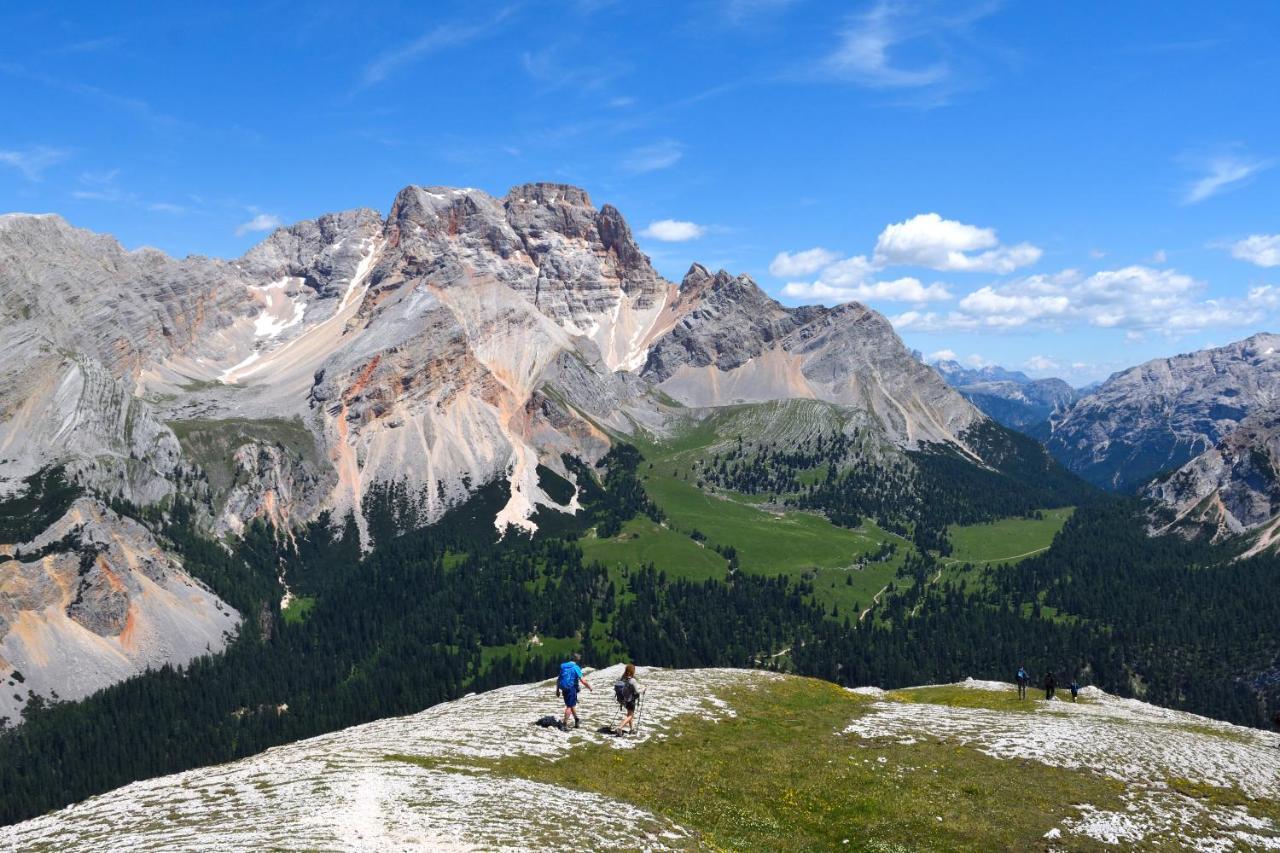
(779, 775)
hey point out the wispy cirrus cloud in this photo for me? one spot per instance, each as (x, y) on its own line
(873, 44)
(653, 158)
(33, 161)
(1222, 173)
(439, 38)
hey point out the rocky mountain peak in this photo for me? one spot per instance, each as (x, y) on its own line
(546, 193)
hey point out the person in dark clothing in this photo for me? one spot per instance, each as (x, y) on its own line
(1075, 689)
(1023, 678)
(1276, 721)
(1050, 685)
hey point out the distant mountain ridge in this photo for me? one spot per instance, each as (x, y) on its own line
(1009, 396)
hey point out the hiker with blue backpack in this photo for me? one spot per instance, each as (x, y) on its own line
(1023, 679)
(567, 688)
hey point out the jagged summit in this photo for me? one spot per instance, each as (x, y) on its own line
(968, 765)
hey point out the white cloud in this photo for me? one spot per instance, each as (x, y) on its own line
(1159, 256)
(941, 355)
(673, 230)
(1097, 254)
(32, 162)
(976, 360)
(260, 222)
(1135, 298)
(651, 158)
(1260, 249)
(1042, 362)
(866, 46)
(808, 262)
(899, 290)
(852, 278)
(928, 240)
(1220, 174)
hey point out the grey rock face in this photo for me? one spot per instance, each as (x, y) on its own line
(94, 599)
(463, 338)
(730, 343)
(1157, 416)
(1229, 489)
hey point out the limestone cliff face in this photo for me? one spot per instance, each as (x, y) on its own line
(1230, 489)
(94, 599)
(460, 339)
(1159, 415)
(727, 342)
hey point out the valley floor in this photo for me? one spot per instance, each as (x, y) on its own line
(726, 759)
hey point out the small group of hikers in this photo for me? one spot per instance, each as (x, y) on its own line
(1049, 682)
(626, 691)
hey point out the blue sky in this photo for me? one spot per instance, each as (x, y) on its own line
(1063, 188)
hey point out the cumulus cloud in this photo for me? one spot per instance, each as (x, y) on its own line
(941, 355)
(905, 289)
(808, 262)
(928, 240)
(1221, 174)
(1260, 249)
(260, 222)
(673, 230)
(1135, 298)
(1042, 362)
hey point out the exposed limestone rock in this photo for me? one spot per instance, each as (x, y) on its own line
(94, 599)
(462, 339)
(1159, 415)
(1229, 489)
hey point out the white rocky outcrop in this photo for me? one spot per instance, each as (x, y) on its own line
(342, 791)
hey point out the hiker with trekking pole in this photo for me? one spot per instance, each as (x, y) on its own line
(629, 695)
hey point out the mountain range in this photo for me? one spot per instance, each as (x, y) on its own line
(459, 341)
(500, 396)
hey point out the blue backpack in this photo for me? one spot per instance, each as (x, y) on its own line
(568, 676)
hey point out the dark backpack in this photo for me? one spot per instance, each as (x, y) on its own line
(624, 692)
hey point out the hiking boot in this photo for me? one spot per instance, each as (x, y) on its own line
(576, 722)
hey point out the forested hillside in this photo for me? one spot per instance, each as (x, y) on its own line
(435, 612)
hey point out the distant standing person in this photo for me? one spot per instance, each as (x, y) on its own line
(567, 686)
(1276, 721)
(1050, 685)
(1022, 679)
(627, 691)
(1075, 689)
